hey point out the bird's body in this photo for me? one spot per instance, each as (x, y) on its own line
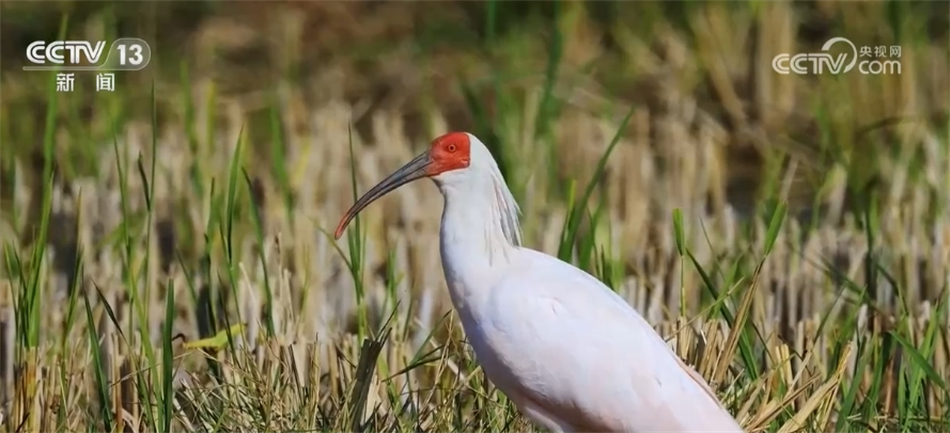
(570, 353)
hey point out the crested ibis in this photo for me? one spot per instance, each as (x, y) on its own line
(571, 354)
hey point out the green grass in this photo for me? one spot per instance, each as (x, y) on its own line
(188, 280)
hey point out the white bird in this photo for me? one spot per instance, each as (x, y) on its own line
(571, 354)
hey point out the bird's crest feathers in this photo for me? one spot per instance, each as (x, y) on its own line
(505, 209)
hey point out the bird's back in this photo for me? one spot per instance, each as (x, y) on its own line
(561, 342)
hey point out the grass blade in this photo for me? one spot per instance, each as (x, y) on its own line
(102, 387)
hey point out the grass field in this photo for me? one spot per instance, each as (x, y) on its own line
(167, 262)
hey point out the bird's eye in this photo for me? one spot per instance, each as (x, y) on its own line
(451, 148)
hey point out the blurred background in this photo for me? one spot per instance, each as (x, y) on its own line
(703, 123)
(471, 61)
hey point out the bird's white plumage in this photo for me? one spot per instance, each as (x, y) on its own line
(551, 336)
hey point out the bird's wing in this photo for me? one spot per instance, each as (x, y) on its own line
(693, 374)
(596, 363)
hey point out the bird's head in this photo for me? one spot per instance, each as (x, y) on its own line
(448, 159)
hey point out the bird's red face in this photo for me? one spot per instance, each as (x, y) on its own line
(448, 152)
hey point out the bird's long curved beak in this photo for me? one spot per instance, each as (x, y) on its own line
(415, 169)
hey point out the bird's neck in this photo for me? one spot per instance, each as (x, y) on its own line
(475, 223)
(474, 242)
